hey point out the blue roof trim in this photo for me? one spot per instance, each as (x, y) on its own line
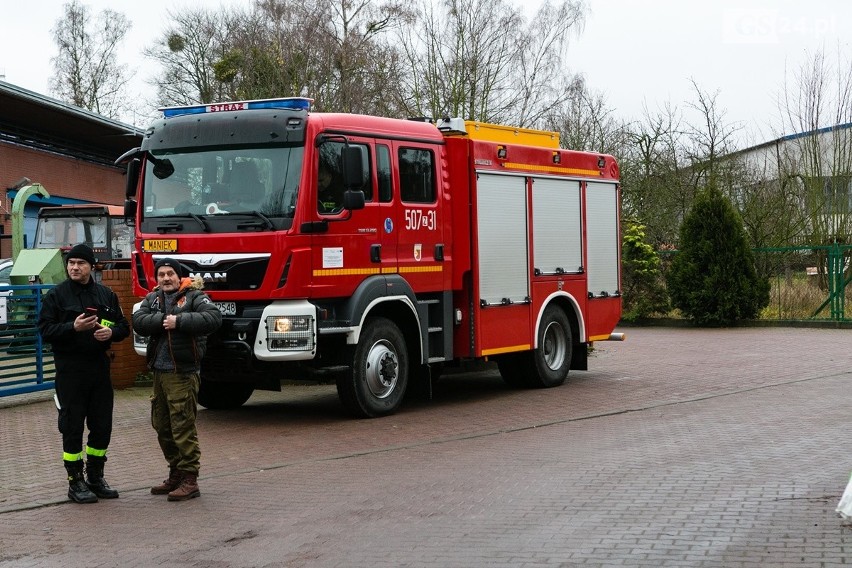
(40, 201)
(789, 137)
(817, 131)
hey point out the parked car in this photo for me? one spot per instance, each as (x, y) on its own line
(5, 270)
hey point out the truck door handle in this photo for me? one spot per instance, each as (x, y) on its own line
(439, 252)
(375, 253)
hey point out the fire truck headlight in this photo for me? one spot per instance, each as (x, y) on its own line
(140, 340)
(140, 344)
(290, 333)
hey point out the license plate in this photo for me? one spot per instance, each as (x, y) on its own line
(159, 245)
(227, 308)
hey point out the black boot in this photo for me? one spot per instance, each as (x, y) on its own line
(95, 478)
(78, 491)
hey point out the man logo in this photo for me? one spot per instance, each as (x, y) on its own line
(210, 276)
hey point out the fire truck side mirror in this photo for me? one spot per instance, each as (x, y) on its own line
(129, 211)
(132, 177)
(353, 199)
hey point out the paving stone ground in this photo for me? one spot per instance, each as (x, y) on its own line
(679, 447)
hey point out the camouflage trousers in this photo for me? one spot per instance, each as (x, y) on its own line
(174, 406)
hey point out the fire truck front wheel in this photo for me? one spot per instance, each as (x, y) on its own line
(378, 374)
(222, 396)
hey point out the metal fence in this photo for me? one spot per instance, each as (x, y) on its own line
(26, 364)
(807, 283)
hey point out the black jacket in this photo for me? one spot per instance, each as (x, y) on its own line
(197, 317)
(61, 306)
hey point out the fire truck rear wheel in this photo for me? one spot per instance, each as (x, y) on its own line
(511, 367)
(546, 366)
(552, 359)
(378, 376)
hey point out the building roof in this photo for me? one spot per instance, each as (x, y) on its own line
(789, 137)
(34, 120)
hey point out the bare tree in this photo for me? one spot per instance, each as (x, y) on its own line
(361, 63)
(188, 51)
(334, 51)
(585, 121)
(817, 109)
(656, 187)
(543, 76)
(710, 138)
(482, 61)
(87, 73)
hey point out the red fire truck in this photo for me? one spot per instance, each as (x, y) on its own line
(377, 249)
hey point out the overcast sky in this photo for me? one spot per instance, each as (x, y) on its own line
(638, 54)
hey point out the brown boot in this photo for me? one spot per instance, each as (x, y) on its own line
(188, 487)
(168, 485)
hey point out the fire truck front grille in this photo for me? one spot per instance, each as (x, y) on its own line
(230, 275)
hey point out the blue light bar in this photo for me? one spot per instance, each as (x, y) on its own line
(289, 103)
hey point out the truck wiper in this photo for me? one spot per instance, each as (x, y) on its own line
(201, 222)
(267, 220)
(195, 217)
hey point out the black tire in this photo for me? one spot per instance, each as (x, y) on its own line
(511, 369)
(216, 395)
(377, 378)
(552, 360)
(548, 365)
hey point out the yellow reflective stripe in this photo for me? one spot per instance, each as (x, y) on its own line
(345, 271)
(382, 270)
(552, 169)
(72, 457)
(94, 452)
(433, 268)
(510, 349)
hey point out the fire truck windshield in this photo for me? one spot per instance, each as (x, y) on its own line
(224, 182)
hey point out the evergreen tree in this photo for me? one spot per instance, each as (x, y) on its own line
(713, 279)
(644, 293)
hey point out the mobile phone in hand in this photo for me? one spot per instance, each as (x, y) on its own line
(91, 312)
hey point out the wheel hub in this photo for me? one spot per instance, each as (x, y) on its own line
(382, 370)
(555, 346)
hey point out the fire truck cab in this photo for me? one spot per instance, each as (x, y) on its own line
(377, 249)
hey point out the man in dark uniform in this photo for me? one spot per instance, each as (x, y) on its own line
(81, 318)
(329, 191)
